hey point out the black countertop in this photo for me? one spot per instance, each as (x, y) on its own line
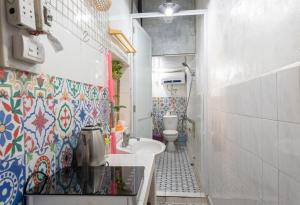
(102, 181)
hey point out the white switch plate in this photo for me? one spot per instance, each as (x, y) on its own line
(20, 13)
(27, 49)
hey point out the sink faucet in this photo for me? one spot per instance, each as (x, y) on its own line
(137, 138)
(126, 137)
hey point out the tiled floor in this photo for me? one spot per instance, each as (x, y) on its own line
(175, 176)
(179, 204)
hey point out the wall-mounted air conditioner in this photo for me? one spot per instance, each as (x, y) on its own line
(175, 78)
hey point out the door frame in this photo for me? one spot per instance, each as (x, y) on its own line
(133, 93)
(205, 91)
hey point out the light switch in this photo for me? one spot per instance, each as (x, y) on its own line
(26, 49)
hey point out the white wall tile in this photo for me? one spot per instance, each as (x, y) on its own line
(250, 98)
(251, 134)
(270, 185)
(289, 95)
(242, 47)
(269, 141)
(269, 96)
(232, 127)
(289, 149)
(289, 190)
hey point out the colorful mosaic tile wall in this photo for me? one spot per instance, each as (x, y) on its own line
(40, 121)
(162, 105)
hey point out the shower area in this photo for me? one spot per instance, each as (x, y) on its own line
(175, 171)
(172, 86)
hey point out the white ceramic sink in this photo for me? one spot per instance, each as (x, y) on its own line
(144, 146)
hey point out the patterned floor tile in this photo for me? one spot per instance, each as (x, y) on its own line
(168, 203)
(12, 179)
(11, 132)
(175, 175)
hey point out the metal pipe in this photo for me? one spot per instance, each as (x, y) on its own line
(158, 15)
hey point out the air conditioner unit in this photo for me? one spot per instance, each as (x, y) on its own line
(175, 78)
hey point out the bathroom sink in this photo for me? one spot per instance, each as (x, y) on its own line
(145, 146)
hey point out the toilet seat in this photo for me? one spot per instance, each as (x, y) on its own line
(170, 132)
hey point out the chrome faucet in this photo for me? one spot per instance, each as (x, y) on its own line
(137, 138)
(126, 138)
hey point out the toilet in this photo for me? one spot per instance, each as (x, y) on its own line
(170, 133)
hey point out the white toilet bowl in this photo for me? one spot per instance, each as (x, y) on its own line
(170, 132)
(170, 136)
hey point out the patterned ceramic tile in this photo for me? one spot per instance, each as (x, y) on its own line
(12, 179)
(174, 174)
(39, 123)
(58, 84)
(85, 91)
(65, 118)
(94, 94)
(74, 88)
(15, 83)
(104, 107)
(42, 160)
(93, 113)
(64, 108)
(104, 113)
(81, 115)
(162, 105)
(12, 82)
(64, 153)
(43, 116)
(11, 132)
(104, 94)
(40, 86)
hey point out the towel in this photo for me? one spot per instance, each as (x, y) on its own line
(110, 81)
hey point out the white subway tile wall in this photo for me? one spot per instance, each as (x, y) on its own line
(254, 141)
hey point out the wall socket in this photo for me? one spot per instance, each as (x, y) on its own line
(28, 50)
(20, 13)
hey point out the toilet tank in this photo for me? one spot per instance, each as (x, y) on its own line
(170, 122)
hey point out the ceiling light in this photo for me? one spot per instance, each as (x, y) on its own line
(169, 11)
(169, 8)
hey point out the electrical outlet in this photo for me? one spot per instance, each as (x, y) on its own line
(43, 16)
(27, 49)
(20, 13)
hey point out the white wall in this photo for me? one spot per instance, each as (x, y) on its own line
(249, 38)
(119, 17)
(254, 102)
